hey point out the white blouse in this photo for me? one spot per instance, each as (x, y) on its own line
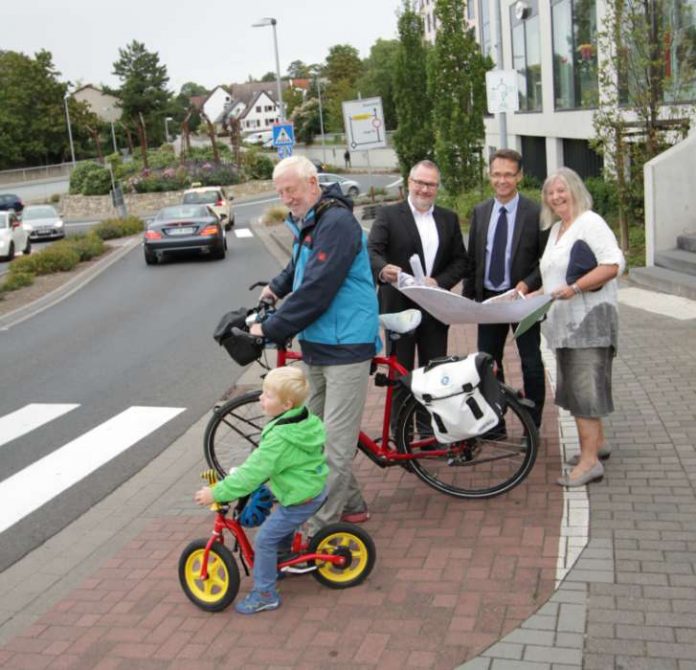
(590, 319)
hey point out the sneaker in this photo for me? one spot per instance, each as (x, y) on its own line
(355, 517)
(257, 601)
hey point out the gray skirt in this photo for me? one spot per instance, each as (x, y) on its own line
(583, 381)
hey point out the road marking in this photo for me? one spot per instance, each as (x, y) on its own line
(243, 232)
(35, 485)
(256, 202)
(29, 418)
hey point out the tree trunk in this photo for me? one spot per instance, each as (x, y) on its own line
(211, 135)
(622, 188)
(143, 139)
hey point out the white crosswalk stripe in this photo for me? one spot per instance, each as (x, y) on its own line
(30, 417)
(38, 483)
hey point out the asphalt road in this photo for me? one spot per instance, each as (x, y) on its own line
(135, 336)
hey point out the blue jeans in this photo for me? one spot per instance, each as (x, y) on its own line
(282, 522)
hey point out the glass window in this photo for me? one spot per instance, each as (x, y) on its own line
(485, 23)
(526, 56)
(680, 50)
(574, 25)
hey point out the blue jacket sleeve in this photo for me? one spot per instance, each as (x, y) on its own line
(337, 241)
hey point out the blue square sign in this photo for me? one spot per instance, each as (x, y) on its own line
(283, 135)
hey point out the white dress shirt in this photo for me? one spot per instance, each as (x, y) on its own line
(428, 235)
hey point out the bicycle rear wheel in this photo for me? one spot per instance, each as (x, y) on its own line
(480, 467)
(233, 431)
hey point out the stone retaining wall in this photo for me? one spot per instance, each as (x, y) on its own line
(144, 204)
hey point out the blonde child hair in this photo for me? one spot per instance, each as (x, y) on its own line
(289, 384)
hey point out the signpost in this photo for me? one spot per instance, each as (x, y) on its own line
(364, 124)
(501, 91)
(284, 138)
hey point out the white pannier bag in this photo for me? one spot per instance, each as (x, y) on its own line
(462, 396)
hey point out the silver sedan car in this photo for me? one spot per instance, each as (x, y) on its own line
(43, 222)
(348, 186)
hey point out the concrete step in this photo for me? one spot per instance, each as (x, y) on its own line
(677, 260)
(667, 281)
(687, 242)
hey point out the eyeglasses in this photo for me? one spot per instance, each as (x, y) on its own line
(424, 184)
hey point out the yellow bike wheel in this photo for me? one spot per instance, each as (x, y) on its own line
(220, 588)
(349, 541)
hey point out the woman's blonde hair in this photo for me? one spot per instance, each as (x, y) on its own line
(581, 200)
(289, 384)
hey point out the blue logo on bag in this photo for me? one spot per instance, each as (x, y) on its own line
(445, 380)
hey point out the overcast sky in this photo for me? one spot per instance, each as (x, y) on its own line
(209, 42)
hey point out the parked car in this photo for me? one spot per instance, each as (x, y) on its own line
(13, 236)
(11, 201)
(258, 138)
(348, 186)
(184, 228)
(216, 198)
(43, 222)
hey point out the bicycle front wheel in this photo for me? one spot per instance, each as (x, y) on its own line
(233, 431)
(480, 467)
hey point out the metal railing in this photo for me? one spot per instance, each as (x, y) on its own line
(44, 172)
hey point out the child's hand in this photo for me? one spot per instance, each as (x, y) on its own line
(204, 496)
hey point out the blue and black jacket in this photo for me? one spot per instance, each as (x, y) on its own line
(332, 306)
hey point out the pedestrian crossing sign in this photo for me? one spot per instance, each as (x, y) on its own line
(283, 135)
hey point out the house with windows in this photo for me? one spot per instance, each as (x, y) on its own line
(105, 106)
(552, 45)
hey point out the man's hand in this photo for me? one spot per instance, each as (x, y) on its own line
(204, 496)
(429, 281)
(522, 288)
(389, 273)
(256, 329)
(267, 294)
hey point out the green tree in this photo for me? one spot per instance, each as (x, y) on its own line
(33, 128)
(457, 91)
(191, 89)
(413, 138)
(269, 76)
(306, 120)
(143, 92)
(343, 69)
(378, 77)
(635, 120)
(298, 70)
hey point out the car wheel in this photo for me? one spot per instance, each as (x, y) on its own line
(27, 247)
(150, 258)
(353, 191)
(231, 220)
(10, 253)
(221, 252)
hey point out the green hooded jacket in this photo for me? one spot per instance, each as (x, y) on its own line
(290, 457)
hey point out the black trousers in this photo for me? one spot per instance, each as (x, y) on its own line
(491, 339)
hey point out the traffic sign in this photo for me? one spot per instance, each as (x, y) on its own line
(284, 151)
(501, 91)
(364, 123)
(283, 135)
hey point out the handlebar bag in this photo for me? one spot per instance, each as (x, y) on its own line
(462, 396)
(234, 319)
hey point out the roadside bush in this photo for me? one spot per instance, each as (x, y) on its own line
(60, 257)
(97, 182)
(603, 193)
(80, 173)
(257, 165)
(274, 214)
(158, 183)
(16, 280)
(87, 246)
(110, 229)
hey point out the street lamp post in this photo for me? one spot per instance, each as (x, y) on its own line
(70, 137)
(321, 121)
(272, 22)
(113, 138)
(167, 119)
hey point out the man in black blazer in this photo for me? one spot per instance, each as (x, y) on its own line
(417, 226)
(505, 245)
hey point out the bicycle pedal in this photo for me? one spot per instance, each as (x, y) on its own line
(297, 570)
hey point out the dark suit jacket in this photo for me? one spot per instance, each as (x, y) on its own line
(528, 243)
(394, 239)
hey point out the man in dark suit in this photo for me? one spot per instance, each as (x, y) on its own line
(505, 245)
(417, 226)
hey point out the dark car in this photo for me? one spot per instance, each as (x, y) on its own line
(184, 228)
(11, 201)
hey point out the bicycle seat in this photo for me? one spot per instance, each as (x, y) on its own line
(401, 322)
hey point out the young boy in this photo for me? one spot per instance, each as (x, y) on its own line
(291, 458)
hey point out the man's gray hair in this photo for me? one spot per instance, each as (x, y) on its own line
(298, 165)
(581, 200)
(426, 164)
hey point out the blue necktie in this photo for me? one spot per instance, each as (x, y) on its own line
(496, 269)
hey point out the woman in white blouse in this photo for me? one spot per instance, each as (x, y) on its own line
(579, 268)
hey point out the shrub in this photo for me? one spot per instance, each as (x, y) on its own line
(16, 280)
(87, 246)
(80, 173)
(59, 257)
(110, 229)
(97, 182)
(274, 214)
(54, 198)
(257, 165)
(604, 200)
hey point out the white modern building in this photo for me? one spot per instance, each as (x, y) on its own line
(552, 45)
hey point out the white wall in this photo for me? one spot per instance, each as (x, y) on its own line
(670, 197)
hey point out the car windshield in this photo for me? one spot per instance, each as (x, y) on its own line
(201, 197)
(183, 212)
(39, 213)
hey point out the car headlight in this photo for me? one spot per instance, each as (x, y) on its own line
(58, 224)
